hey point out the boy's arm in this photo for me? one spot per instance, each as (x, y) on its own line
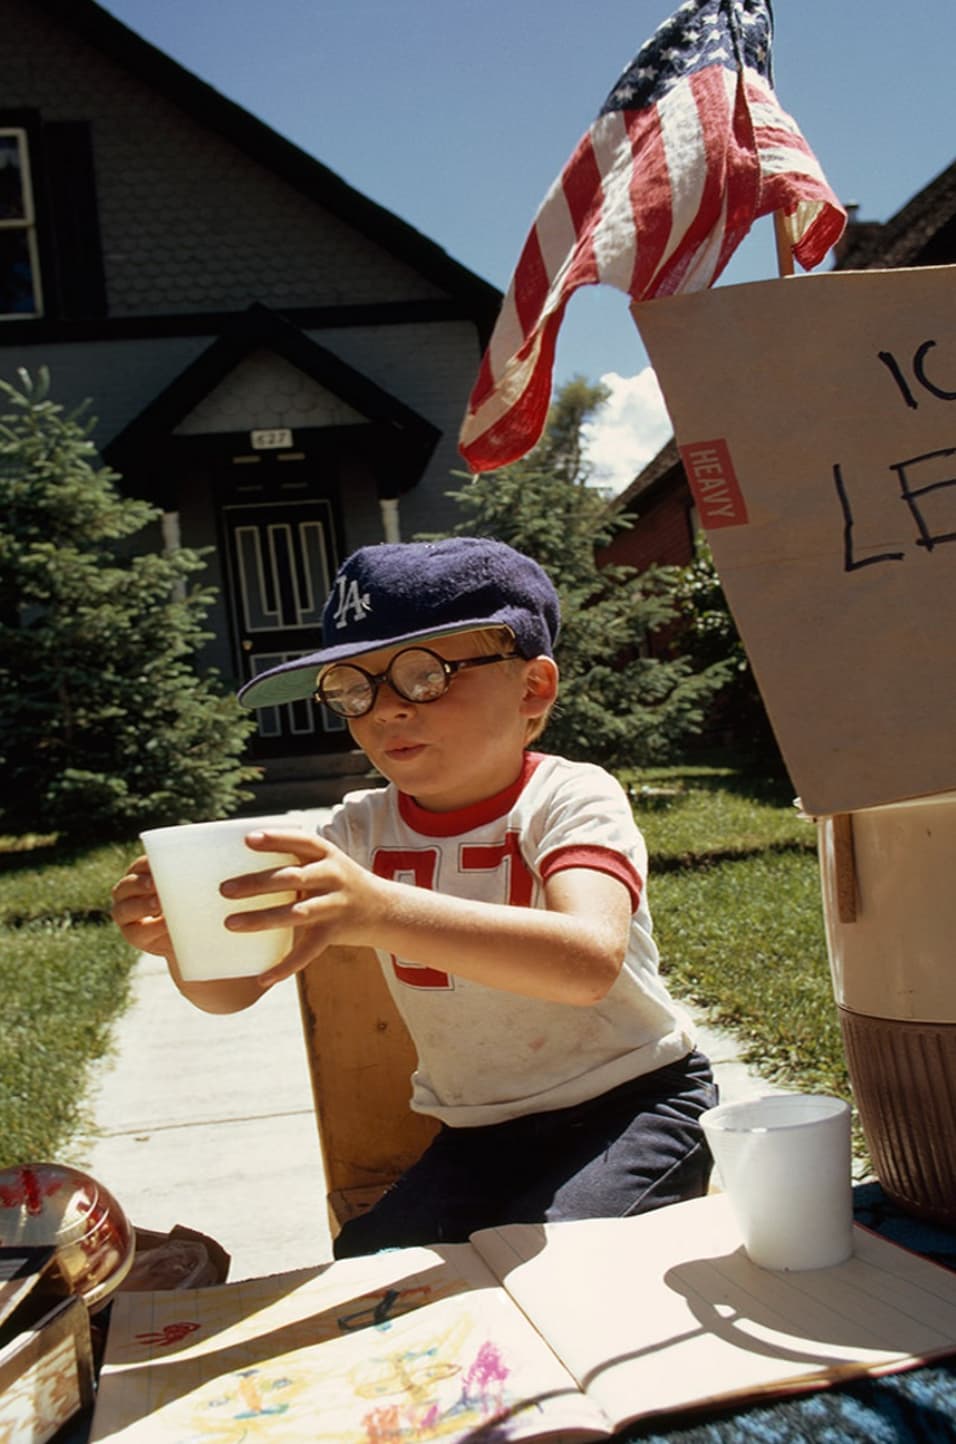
(571, 951)
(137, 914)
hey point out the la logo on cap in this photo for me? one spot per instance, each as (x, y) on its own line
(350, 599)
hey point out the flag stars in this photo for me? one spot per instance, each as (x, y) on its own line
(622, 94)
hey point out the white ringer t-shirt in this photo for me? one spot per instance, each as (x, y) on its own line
(485, 1055)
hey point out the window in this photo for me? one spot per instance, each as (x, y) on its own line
(20, 293)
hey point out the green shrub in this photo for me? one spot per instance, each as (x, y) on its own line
(105, 724)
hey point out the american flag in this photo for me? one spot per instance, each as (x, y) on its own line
(690, 147)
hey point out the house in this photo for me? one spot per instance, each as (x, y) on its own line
(275, 361)
(923, 233)
(664, 519)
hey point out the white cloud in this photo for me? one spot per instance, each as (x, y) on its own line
(628, 431)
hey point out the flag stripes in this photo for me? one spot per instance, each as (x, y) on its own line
(654, 200)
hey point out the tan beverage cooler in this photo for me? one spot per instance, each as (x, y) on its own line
(889, 900)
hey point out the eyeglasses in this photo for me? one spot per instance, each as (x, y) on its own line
(416, 674)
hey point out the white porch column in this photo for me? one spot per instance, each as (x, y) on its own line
(391, 529)
(172, 541)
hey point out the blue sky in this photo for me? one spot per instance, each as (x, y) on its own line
(458, 114)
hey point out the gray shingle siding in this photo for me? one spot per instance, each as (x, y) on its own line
(189, 221)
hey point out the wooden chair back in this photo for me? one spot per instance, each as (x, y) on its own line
(361, 1059)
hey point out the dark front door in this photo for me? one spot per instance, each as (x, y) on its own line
(281, 560)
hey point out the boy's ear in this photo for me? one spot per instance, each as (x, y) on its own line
(540, 686)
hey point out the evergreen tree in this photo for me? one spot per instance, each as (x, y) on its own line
(705, 632)
(105, 726)
(618, 705)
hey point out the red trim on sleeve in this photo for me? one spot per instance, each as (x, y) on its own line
(598, 859)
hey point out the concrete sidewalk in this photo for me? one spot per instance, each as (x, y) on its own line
(207, 1121)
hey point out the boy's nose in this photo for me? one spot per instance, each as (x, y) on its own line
(388, 702)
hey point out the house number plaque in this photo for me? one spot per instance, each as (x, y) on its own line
(273, 439)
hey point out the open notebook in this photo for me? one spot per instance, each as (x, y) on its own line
(572, 1329)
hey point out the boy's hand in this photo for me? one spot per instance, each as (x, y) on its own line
(137, 913)
(336, 898)
(570, 951)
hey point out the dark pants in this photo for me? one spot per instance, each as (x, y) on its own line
(631, 1150)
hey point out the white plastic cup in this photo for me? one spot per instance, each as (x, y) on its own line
(188, 864)
(784, 1162)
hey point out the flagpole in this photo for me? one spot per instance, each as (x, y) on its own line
(844, 859)
(784, 248)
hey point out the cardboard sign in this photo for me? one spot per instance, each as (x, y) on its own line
(816, 418)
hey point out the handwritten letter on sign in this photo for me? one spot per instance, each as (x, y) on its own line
(816, 420)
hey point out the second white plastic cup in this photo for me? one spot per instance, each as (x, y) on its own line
(784, 1162)
(188, 864)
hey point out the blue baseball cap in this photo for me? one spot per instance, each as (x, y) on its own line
(413, 591)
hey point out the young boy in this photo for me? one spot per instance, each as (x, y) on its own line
(503, 890)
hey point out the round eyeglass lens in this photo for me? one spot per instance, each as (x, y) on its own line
(347, 691)
(417, 675)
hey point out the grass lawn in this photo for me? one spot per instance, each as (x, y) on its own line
(64, 977)
(735, 895)
(734, 892)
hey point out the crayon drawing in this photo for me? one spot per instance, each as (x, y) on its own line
(407, 1380)
(403, 1348)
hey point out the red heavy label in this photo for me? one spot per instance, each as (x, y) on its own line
(713, 482)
